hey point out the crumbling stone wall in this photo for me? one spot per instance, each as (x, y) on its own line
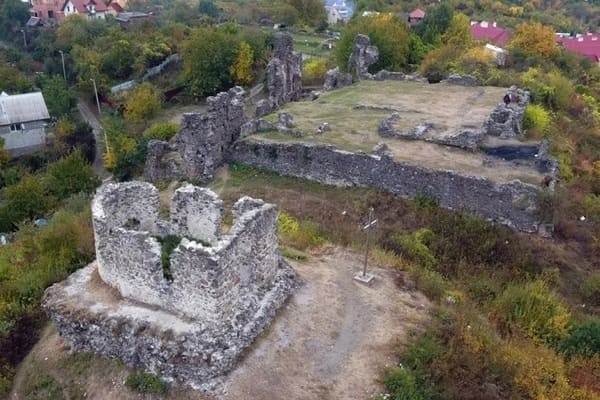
(202, 143)
(192, 325)
(507, 119)
(512, 203)
(284, 75)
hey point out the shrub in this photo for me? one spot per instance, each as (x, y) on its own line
(533, 309)
(71, 175)
(161, 131)
(402, 384)
(142, 103)
(536, 120)
(591, 288)
(583, 340)
(415, 247)
(313, 72)
(299, 234)
(147, 383)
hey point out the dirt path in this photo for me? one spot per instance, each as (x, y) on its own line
(330, 341)
(88, 115)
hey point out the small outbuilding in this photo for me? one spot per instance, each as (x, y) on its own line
(23, 120)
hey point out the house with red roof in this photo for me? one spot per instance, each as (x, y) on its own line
(91, 9)
(490, 32)
(114, 8)
(415, 17)
(587, 45)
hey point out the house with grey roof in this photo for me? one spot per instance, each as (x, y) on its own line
(23, 120)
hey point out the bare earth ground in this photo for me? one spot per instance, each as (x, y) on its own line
(451, 107)
(330, 341)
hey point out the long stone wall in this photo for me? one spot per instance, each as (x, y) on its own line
(513, 203)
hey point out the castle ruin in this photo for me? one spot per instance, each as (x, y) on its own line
(187, 311)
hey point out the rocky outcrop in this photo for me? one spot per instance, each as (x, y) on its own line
(362, 57)
(507, 119)
(334, 79)
(188, 319)
(461, 80)
(203, 142)
(284, 75)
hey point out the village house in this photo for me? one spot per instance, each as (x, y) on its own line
(490, 33)
(47, 9)
(92, 9)
(587, 45)
(415, 17)
(22, 122)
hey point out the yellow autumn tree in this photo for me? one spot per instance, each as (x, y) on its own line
(459, 32)
(534, 38)
(142, 103)
(241, 69)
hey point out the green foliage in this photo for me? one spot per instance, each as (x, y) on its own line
(13, 81)
(584, 340)
(534, 309)
(439, 63)
(28, 199)
(208, 7)
(313, 71)
(591, 288)
(13, 15)
(59, 98)
(420, 353)
(161, 131)
(4, 156)
(292, 253)
(458, 33)
(142, 103)
(537, 120)
(241, 69)
(118, 60)
(299, 234)
(403, 384)
(436, 22)
(310, 12)
(207, 56)
(389, 33)
(71, 175)
(168, 244)
(147, 383)
(415, 246)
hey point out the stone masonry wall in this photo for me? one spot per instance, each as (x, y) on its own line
(513, 203)
(211, 274)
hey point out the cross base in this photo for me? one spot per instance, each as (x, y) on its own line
(366, 278)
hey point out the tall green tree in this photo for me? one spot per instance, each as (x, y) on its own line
(58, 96)
(13, 15)
(436, 23)
(207, 56)
(208, 7)
(311, 12)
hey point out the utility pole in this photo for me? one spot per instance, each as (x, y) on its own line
(96, 92)
(24, 38)
(364, 277)
(62, 56)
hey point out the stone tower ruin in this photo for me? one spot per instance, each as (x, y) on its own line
(186, 313)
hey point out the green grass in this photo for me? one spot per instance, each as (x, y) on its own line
(147, 383)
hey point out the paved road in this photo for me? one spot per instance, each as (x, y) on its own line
(88, 115)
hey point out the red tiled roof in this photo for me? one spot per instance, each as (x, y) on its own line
(490, 32)
(587, 45)
(115, 6)
(417, 13)
(81, 5)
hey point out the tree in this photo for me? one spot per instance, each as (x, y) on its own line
(436, 22)
(534, 38)
(59, 98)
(458, 33)
(207, 56)
(71, 175)
(13, 15)
(208, 7)
(117, 60)
(4, 156)
(13, 81)
(142, 103)
(389, 33)
(241, 69)
(27, 199)
(311, 12)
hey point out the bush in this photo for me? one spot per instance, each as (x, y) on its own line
(71, 175)
(147, 383)
(591, 288)
(415, 247)
(161, 131)
(584, 340)
(536, 120)
(534, 309)
(402, 384)
(313, 72)
(299, 234)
